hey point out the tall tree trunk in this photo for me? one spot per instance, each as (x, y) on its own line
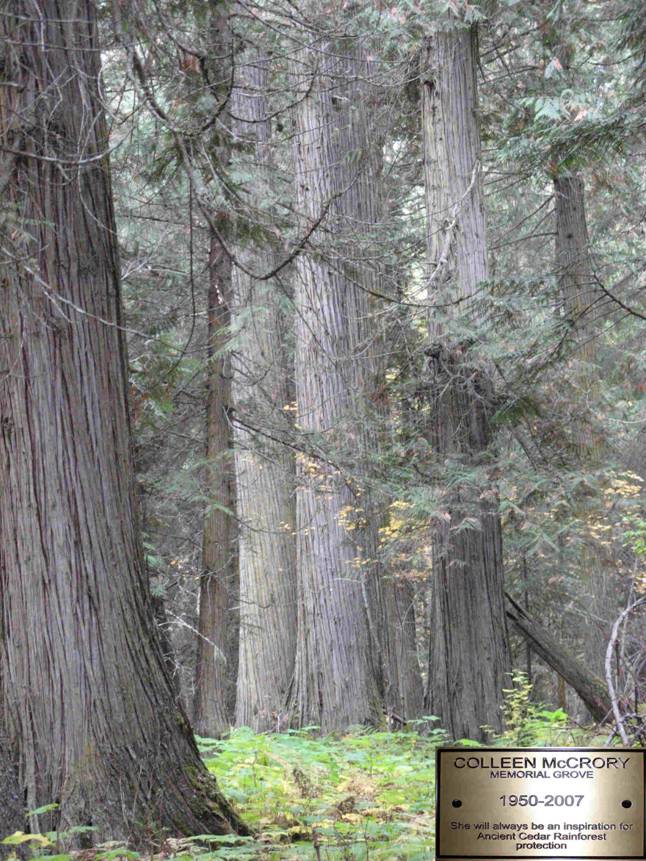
(469, 653)
(400, 666)
(601, 593)
(336, 679)
(264, 466)
(215, 669)
(86, 698)
(217, 643)
(601, 600)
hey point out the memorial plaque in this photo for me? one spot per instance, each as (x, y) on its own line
(540, 803)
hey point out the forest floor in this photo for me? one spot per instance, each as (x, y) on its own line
(360, 796)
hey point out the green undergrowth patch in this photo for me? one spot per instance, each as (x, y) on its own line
(361, 795)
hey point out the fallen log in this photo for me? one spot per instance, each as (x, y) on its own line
(589, 687)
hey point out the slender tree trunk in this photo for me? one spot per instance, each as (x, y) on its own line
(336, 681)
(574, 268)
(404, 616)
(215, 671)
(264, 466)
(400, 666)
(601, 592)
(573, 260)
(409, 701)
(469, 652)
(86, 698)
(600, 599)
(217, 643)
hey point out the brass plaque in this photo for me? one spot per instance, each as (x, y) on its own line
(540, 803)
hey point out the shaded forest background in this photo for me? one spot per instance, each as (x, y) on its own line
(312, 164)
(322, 345)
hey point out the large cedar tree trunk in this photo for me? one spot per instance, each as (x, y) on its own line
(338, 678)
(264, 466)
(86, 698)
(469, 650)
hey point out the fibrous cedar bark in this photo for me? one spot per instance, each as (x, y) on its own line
(86, 699)
(469, 650)
(262, 375)
(337, 676)
(12, 808)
